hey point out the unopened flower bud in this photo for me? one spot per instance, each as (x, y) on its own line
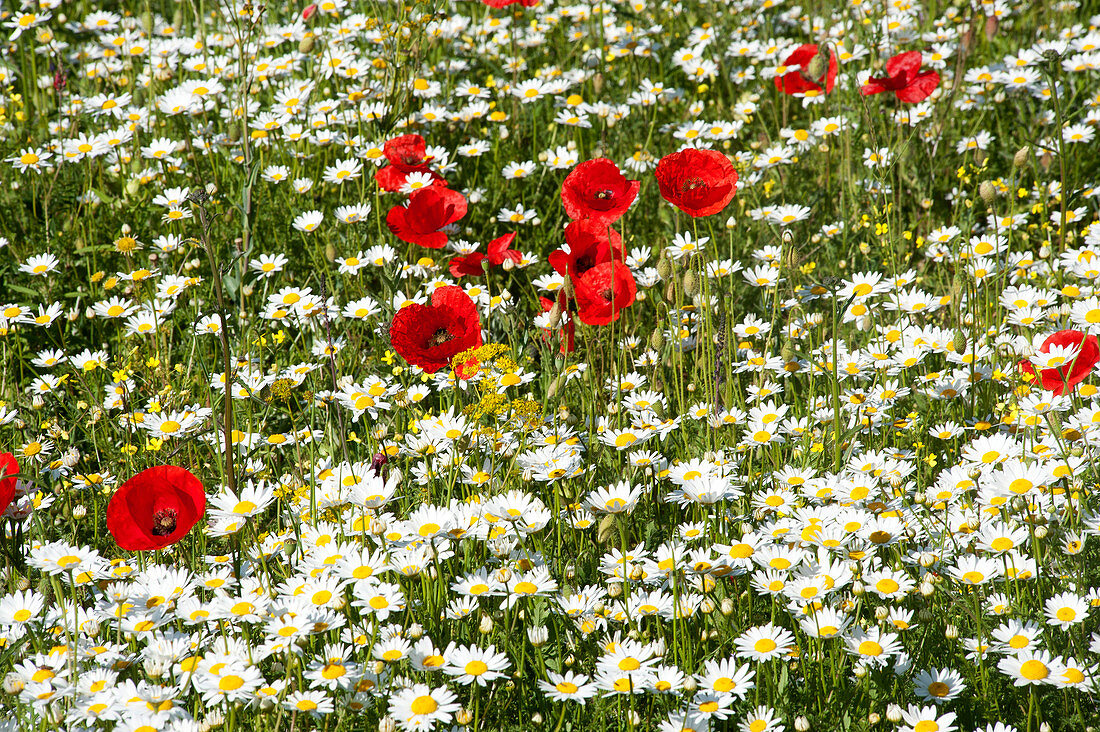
(801, 724)
(1021, 157)
(486, 625)
(893, 713)
(987, 192)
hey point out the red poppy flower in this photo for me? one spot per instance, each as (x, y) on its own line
(596, 190)
(155, 508)
(429, 336)
(698, 182)
(803, 80)
(903, 77)
(406, 154)
(9, 467)
(428, 211)
(590, 243)
(603, 291)
(567, 327)
(498, 252)
(1063, 378)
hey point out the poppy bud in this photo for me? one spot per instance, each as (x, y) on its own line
(657, 339)
(554, 319)
(1021, 157)
(330, 252)
(664, 268)
(567, 287)
(691, 283)
(306, 44)
(605, 529)
(818, 65)
(987, 192)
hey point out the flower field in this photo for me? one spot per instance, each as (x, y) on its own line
(524, 365)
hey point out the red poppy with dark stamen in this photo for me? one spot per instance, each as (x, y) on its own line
(597, 190)
(590, 243)
(470, 265)
(698, 182)
(808, 77)
(903, 77)
(9, 468)
(429, 336)
(428, 211)
(155, 508)
(603, 291)
(1064, 378)
(406, 154)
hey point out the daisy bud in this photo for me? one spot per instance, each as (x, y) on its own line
(464, 716)
(79, 512)
(859, 671)
(635, 719)
(13, 683)
(873, 718)
(1041, 532)
(22, 583)
(927, 559)
(634, 634)
(881, 613)
(486, 625)
(536, 719)
(951, 631)
(801, 724)
(706, 606)
(414, 632)
(387, 724)
(1045, 727)
(154, 667)
(858, 589)
(570, 660)
(538, 635)
(727, 607)
(893, 713)
(614, 590)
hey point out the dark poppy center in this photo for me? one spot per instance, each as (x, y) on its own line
(604, 194)
(440, 337)
(607, 294)
(164, 521)
(692, 184)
